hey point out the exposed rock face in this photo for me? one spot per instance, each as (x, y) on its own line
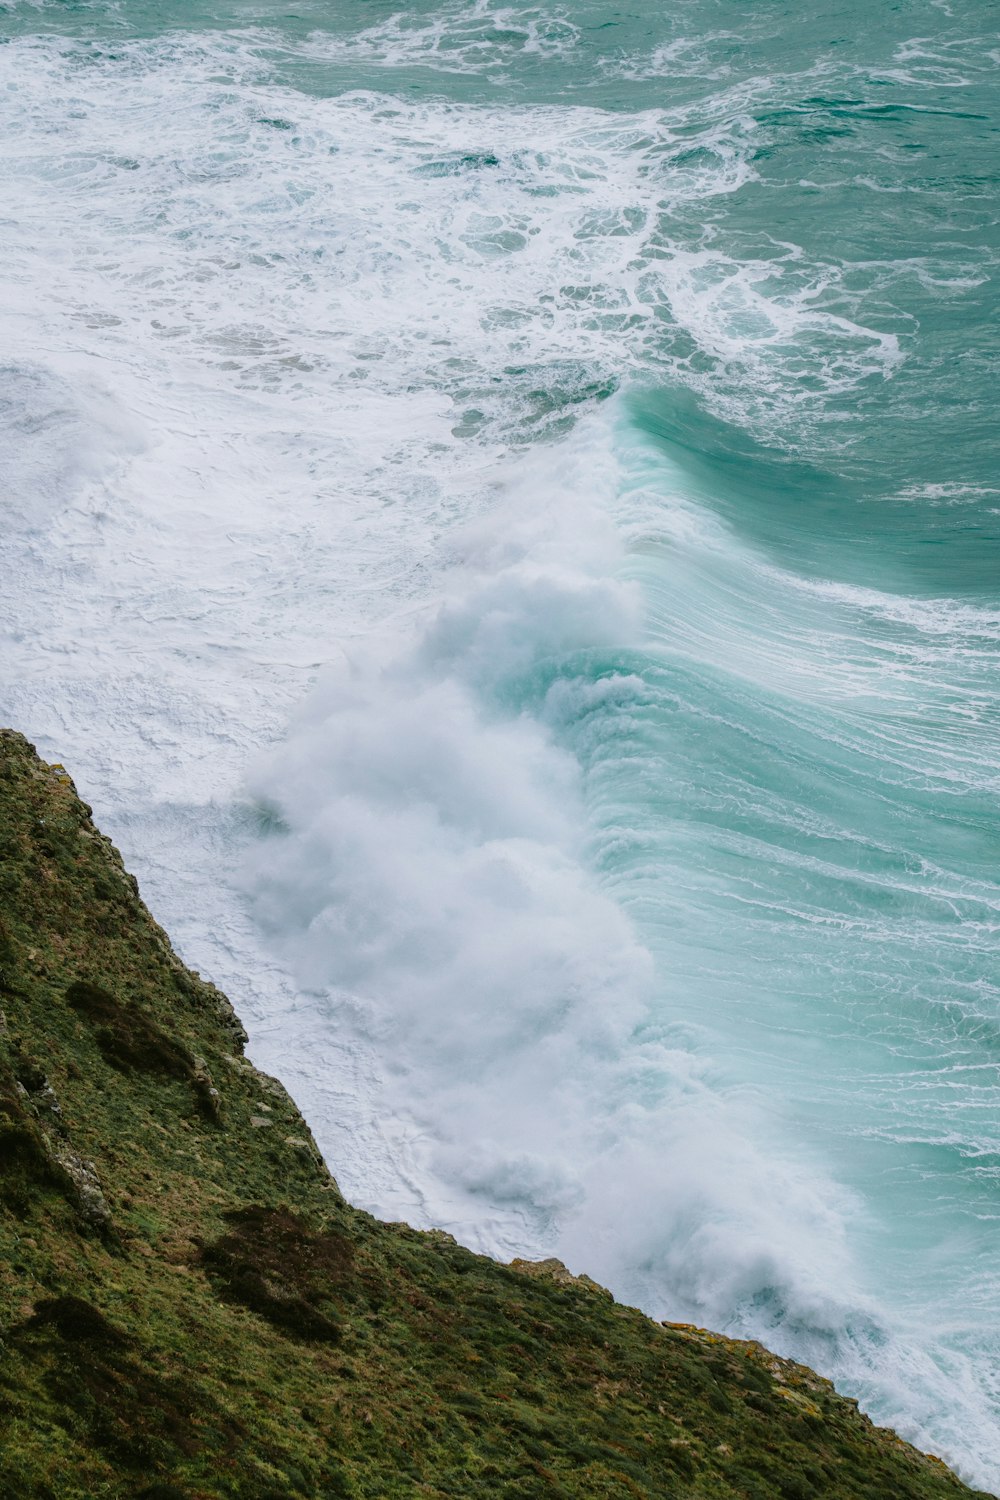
(89, 1193)
(189, 1309)
(554, 1270)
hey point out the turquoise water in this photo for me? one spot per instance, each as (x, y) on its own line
(615, 392)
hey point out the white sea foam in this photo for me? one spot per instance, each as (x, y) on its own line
(705, 56)
(461, 38)
(207, 257)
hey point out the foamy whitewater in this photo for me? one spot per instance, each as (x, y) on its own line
(500, 518)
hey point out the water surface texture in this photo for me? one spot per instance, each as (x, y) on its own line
(500, 515)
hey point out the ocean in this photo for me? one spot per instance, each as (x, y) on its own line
(500, 516)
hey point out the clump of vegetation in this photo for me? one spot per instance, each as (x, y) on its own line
(128, 1039)
(105, 1390)
(271, 1262)
(25, 1165)
(189, 1310)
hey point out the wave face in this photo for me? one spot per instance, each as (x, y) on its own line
(499, 506)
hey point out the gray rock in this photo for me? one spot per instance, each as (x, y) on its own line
(90, 1195)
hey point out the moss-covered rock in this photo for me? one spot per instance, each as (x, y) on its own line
(190, 1310)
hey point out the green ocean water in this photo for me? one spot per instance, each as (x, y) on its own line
(741, 261)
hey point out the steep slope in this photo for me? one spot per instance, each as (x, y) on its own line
(189, 1308)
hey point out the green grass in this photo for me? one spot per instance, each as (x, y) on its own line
(190, 1310)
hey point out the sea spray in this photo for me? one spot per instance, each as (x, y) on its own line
(427, 878)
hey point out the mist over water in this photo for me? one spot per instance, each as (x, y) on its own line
(500, 517)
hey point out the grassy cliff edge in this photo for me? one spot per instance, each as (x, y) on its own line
(189, 1309)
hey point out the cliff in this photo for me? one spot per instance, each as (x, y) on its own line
(190, 1309)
